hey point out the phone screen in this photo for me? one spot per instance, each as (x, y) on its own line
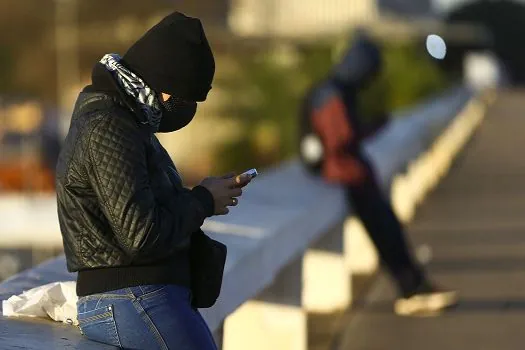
(252, 173)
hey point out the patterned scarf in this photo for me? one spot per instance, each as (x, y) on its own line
(135, 87)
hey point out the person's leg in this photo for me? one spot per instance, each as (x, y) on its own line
(386, 233)
(111, 318)
(170, 315)
(417, 293)
(145, 317)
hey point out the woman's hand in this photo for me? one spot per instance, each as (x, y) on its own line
(225, 190)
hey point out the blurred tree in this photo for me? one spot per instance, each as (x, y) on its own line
(504, 19)
(27, 29)
(265, 95)
(409, 75)
(6, 67)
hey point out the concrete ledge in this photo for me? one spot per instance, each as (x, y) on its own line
(289, 251)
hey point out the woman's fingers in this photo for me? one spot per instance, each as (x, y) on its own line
(235, 192)
(228, 176)
(223, 211)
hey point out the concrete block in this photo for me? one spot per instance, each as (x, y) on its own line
(402, 198)
(419, 176)
(273, 320)
(326, 278)
(261, 326)
(360, 253)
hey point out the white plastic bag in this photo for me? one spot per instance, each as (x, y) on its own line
(57, 301)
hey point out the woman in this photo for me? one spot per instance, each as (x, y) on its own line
(127, 222)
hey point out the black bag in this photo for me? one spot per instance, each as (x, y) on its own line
(207, 260)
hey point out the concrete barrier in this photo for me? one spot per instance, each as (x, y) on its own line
(291, 244)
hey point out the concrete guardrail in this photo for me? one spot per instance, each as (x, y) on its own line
(292, 245)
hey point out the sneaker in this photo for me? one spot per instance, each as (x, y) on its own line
(427, 300)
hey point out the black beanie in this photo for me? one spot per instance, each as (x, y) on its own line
(174, 57)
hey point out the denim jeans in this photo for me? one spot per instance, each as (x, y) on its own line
(145, 317)
(386, 232)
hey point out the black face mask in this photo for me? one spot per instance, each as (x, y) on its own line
(176, 114)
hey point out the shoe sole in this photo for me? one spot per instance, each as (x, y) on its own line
(425, 304)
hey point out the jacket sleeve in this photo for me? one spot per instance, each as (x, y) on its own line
(341, 160)
(119, 177)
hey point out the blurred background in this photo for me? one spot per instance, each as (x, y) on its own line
(268, 52)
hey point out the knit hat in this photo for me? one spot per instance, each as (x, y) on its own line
(174, 57)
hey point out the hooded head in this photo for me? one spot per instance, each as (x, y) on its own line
(360, 63)
(174, 58)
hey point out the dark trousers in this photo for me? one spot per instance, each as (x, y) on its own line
(386, 232)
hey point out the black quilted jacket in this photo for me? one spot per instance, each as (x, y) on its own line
(125, 217)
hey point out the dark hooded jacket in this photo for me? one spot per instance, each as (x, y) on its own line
(125, 217)
(329, 112)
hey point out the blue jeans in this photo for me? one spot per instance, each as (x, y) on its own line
(145, 317)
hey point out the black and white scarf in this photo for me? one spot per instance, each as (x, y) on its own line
(134, 86)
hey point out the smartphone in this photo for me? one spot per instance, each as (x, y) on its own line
(251, 173)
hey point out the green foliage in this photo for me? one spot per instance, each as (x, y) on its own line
(266, 91)
(6, 67)
(265, 96)
(409, 75)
